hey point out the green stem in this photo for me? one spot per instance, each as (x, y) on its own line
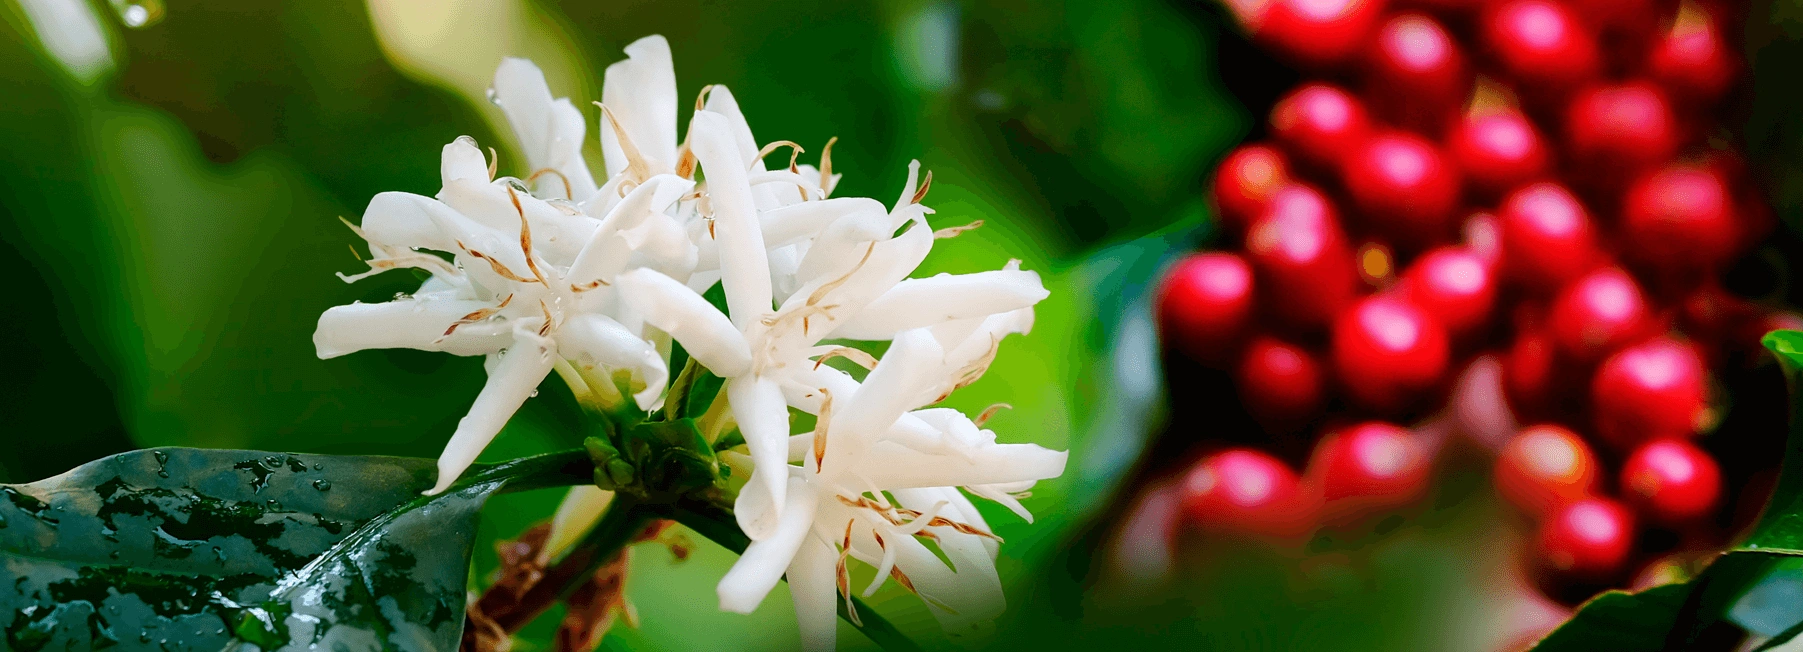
(718, 525)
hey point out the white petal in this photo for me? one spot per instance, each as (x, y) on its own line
(1001, 496)
(972, 590)
(641, 93)
(404, 219)
(576, 515)
(675, 309)
(797, 222)
(893, 466)
(605, 254)
(804, 384)
(408, 324)
(763, 563)
(813, 587)
(720, 100)
(592, 339)
(550, 131)
(462, 159)
(919, 302)
(757, 404)
(911, 364)
(744, 265)
(514, 379)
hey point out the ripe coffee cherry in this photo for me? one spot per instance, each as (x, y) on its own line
(1280, 383)
(1498, 150)
(1680, 216)
(1454, 285)
(1587, 539)
(1671, 481)
(1657, 389)
(1404, 188)
(1245, 182)
(1543, 467)
(1621, 15)
(1320, 124)
(1245, 491)
(1530, 373)
(1368, 467)
(1416, 73)
(1317, 33)
(1541, 44)
(1547, 237)
(1597, 314)
(1302, 259)
(1206, 305)
(1388, 353)
(1483, 238)
(1617, 131)
(1691, 60)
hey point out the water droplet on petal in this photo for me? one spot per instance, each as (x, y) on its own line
(322, 485)
(138, 14)
(493, 97)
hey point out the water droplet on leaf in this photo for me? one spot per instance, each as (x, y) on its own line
(161, 457)
(162, 474)
(322, 485)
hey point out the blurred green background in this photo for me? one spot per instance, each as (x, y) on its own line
(171, 229)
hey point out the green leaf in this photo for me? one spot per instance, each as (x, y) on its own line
(200, 547)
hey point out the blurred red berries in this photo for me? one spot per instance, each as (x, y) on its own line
(1543, 467)
(1671, 481)
(1534, 193)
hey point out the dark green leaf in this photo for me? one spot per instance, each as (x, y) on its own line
(1617, 620)
(196, 547)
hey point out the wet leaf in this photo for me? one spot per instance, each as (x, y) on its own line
(208, 549)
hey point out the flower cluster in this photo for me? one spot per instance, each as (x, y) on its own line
(554, 272)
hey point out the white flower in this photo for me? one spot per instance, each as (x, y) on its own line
(873, 443)
(527, 280)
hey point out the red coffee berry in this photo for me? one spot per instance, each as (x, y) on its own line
(1616, 131)
(1691, 60)
(1245, 491)
(1588, 539)
(1679, 218)
(1205, 305)
(1671, 481)
(1416, 73)
(1454, 285)
(1245, 182)
(1543, 467)
(1498, 151)
(1657, 389)
(1388, 353)
(1404, 188)
(1318, 33)
(1547, 237)
(1621, 15)
(1280, 383)
(1302, 259)
(1320, 124)
(1530, 373)
(1370, 466)
(1483, 238)
(1541, 44)
(1597, 314)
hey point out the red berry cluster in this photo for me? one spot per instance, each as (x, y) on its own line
(1530, 181)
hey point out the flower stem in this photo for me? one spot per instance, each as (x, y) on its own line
(511, 610)
(718, 525)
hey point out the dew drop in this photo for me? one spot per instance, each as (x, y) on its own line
(143, 637)
(402, 296)
(162, 457)
(3, 522)
(162, 474)
(274, 505)
(273, 462)
(322, 485)
(115, 555)
(494, 97)
(138, 14)
(535, 393)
